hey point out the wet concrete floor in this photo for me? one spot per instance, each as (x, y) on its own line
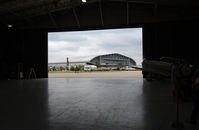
(89, 104)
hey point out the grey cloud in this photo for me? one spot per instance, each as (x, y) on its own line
(66, 37)
(64, 49)
(92, 43)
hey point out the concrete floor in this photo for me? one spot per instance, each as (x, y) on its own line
(88, 104)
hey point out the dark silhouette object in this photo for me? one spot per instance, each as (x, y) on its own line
(195, 109)
(177, 123)
(76, 69)
(31, 73)
(176, 77)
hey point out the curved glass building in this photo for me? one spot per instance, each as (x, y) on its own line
(113, 60)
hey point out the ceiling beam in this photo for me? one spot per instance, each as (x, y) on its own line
(76, 17)
(101, 14)
(17, 16)
(134, 1)
(53, 21)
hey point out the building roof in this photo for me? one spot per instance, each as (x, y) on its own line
(113, 54)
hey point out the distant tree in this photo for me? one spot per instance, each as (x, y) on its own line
(67, 68)
(54, 68)
(61, 68)
(79, 67)
(97, 64)
(119, 64)
(72, 68)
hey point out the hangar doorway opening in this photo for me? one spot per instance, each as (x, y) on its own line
(97, 53)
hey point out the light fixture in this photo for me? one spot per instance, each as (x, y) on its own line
(10, 25)
(84, 1)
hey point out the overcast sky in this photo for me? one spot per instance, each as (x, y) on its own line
(84, 45)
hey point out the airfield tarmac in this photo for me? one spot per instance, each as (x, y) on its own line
(106, 74)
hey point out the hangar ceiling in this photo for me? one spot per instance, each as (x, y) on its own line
(74, 14)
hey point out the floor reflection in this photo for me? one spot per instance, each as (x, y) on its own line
(99, 104)
(96, 103)
(24, 105)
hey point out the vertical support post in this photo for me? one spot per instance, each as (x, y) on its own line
(127, 12)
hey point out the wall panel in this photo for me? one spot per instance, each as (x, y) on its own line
(28, 48)
(173, 39)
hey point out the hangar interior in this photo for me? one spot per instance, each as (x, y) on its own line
(170, 28)
(167, 27)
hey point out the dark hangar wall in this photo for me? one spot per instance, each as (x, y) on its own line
(30, 48)
(177, 38)
(172, 39)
